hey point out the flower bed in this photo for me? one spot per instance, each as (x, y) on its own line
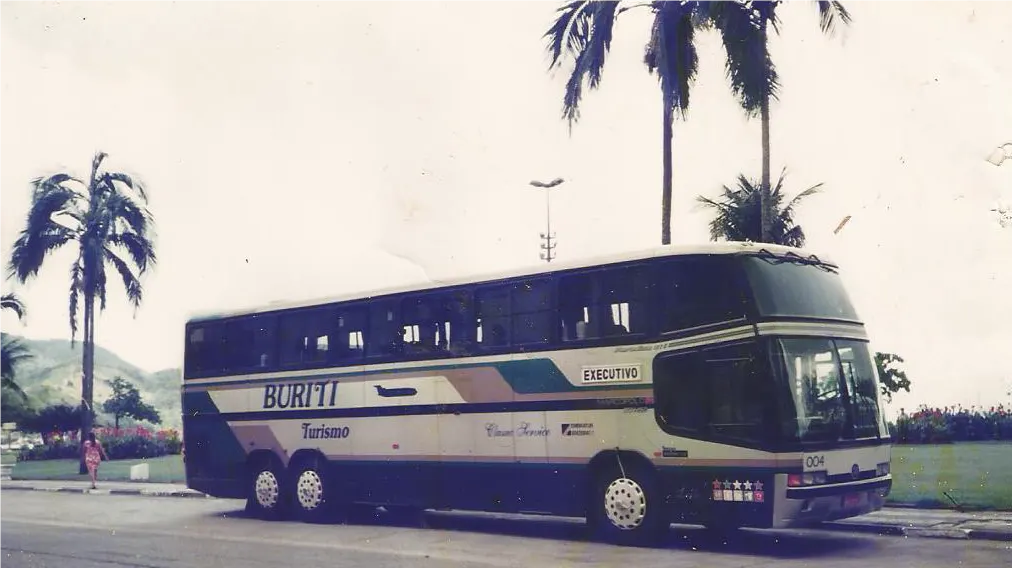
(123, 443)
(952, 424)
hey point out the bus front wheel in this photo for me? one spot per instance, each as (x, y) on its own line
(627, 507)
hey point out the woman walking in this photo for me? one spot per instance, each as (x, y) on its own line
(93, 454)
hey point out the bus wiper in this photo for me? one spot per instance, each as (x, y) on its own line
(791, 256)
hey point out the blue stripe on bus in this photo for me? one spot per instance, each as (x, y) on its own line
(525, 376)
(424, 409)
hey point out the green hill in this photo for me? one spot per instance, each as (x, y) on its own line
(53, 375)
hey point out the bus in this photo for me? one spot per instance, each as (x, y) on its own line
(727, 385)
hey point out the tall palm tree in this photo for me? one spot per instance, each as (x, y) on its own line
(737, 214)
(744, 26)
(106, 219)
(12, 350)
(583, 31)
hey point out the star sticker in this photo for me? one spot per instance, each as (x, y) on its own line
(737, 484)
(716, 484)
(727, 485)
(758, 485)
(748, 486)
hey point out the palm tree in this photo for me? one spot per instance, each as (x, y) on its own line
(106, 219)
(583, 30)
(744, 27)
(737, 215)
(12, 350)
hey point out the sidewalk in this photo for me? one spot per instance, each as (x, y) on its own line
(899, 521)
(104, 488)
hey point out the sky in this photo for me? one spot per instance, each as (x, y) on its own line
(297, 150)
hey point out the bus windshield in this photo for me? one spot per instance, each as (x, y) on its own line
(798, 287)
(833, 388)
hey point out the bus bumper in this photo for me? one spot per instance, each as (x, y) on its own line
(806, 506)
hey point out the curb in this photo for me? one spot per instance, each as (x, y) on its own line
(133, 492)
(952, 533)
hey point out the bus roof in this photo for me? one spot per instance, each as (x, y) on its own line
(720, 248)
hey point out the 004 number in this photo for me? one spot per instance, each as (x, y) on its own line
(812, 462)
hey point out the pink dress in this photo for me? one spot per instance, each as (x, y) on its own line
(92, 456)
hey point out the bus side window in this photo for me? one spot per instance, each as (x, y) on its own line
(696, 292)
(204, 353)
(532, 312)
(386, 330)
(250, 343)
(349, 344)
(492, 309)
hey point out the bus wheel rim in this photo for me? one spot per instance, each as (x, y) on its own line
(625, 503)
(267, 489)
(309, 490)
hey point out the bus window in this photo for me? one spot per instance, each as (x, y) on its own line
(305, 336)
(349, 342)
(493, 316)
(203, 350)
(699, 291)
(533, 314)
(249, 343)
(386, 331)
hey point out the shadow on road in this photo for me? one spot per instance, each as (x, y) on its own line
(772, 544)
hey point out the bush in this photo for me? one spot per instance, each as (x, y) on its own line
(952, 424)
(125, 443)
(54, 450)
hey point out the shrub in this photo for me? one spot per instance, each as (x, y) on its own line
(952, 424)
(125, 443)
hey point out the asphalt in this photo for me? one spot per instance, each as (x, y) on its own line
(898, 521)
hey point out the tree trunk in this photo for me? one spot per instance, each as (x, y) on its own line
(666, 191)
(87, 378)
(764, 191)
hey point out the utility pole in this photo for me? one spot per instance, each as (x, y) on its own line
(549, 244)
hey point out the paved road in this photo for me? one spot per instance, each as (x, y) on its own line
(70, 530)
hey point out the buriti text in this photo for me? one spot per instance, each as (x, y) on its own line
(314, 394)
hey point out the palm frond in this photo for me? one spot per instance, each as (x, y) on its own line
(830, 13)
(596, 34)
(13, 303)
(568, 32)
(121, 207)
(13, 351)
(140, 250)
(748, 65)
(96, 163)
(112, 178)
(130, 282)
(671, 51)
(76, 287)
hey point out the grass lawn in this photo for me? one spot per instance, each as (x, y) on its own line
(166, 469)
(976, 474)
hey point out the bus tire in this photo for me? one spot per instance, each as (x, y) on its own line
(310, 492)
(627, 509)
(266, 496)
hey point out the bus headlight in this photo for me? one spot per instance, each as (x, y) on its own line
(882, 469)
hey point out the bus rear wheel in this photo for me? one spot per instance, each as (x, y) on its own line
(266, 495)
(627, 508)
(310, 491)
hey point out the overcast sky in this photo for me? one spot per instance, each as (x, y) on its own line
(294, 150)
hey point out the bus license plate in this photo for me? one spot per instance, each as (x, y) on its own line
(851, 500)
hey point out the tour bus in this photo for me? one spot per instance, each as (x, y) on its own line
(725, 384)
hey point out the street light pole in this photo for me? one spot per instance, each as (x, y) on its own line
(549, 245)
